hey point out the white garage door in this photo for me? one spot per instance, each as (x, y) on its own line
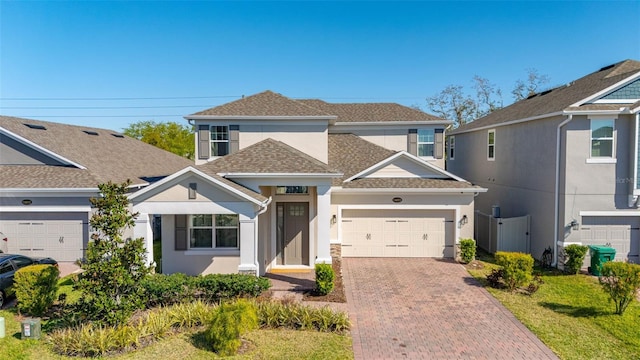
(58, 239)
(397, 233)
(621, 233)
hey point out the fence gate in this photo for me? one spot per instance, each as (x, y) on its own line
(502, 234)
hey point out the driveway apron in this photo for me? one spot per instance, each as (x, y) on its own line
(417, 308)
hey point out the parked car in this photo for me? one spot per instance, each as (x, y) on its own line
(9, 264)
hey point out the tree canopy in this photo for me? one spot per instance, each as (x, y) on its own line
(176, 138)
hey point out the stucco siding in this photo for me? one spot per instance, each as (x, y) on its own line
(204, 192)
(403, 167)
(310, 139)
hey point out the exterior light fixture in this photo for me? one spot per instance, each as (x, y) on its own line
(463, 221)
(574, 225)
(334, 219)
(27, 202)
(397, 199)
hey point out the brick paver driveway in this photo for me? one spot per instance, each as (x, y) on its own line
(430, 309)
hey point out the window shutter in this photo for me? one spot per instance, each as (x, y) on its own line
(181, 232)
(234, 138)
(204, 147)
(438, 152)
(412, 148)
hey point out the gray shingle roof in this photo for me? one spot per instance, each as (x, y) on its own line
(268, 157)
(106, 157)
(371, 112)
(407, 183)
(38, 176)
(559, 99)
(266, 103)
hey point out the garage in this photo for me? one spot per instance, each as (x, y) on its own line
(621, 233)
(59, 236)
(397, 233)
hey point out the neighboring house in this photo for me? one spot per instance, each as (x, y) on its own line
(48, 172)
(282, 183)
(568, 157)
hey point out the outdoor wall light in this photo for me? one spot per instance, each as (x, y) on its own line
(396, 199)
(334, 219)
(574, 225)
(27, 202)
(463, 221)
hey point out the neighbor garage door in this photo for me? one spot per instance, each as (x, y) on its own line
(397, 233)
(59, 239)
(621, 233)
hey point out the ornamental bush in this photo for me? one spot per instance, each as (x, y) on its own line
(621, 281)
(517, 268)
(324, 278)
(36, 287)
(467, 250)
(574, 256)
(230, 322)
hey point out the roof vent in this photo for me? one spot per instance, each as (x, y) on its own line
(118, 135)
(34, 126)
(607, 67)
(532, 95)
(546, 92)
(89, 132)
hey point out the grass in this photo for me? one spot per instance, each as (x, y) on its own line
(573, 316)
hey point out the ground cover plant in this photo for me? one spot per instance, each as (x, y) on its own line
(571, 314)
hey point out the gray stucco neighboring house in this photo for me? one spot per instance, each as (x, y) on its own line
(568, 157)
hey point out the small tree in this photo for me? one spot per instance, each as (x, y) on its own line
(621, 281)
(114, 266)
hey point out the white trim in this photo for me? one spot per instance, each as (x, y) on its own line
(244, 117)
(602, 160)
(607, 90)
(489, 158)
(199, 173)
(610, 213)
(408, 190)
(281, 175)
(634, 155)
(30, 208)
(596, 113)
(449, 148)
(491, 126)
(615, 101)
(416, 159)
(51, 192)
(392, 123)
(37, 147)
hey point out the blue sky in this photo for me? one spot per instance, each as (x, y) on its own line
(196, 55)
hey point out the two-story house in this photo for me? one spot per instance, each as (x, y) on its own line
(281, 183)
(568, 157)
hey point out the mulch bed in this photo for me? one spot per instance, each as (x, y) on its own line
(338, 294)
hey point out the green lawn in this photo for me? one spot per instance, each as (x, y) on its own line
(574, 317)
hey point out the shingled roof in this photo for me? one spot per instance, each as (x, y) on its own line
(266, 103)
(560, 98)
(107, 156)
(371, 112)
(268, 157)
(271, 104)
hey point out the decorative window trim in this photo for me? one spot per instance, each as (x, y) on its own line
(432, 142)
(602, 159)
(491, 145)
(213, 227)
(452, 147)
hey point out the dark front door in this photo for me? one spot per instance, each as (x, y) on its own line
(293, 233)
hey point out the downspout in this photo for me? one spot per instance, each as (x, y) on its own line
(556, 227)
(265, 206)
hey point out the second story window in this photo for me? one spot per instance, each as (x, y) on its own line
(425, 142)
(491, 145)
(602, 138)
(219, 140)
(452, 147)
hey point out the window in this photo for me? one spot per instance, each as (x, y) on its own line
(283, 190)
(491, 145)
(602, 138)
(213, 231)
(219, 140)
(6, 268)
(452, 147)
(21, 261)
(425, 142)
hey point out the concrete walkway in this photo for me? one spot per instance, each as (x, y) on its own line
(430, 309)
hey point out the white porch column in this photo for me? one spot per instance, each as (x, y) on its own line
(248, 246)
(142, 229)
(323, 246)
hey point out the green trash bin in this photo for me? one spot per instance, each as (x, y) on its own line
(600, 254)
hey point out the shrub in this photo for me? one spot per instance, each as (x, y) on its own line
(167, 290)
(517, 268)
(324, 278)
(574, 256)
(36, 288)
(114, 267)
(216, 287)
(467, 250)
(275, 314)
(621, 281)
(230, 321)
(495, 278)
